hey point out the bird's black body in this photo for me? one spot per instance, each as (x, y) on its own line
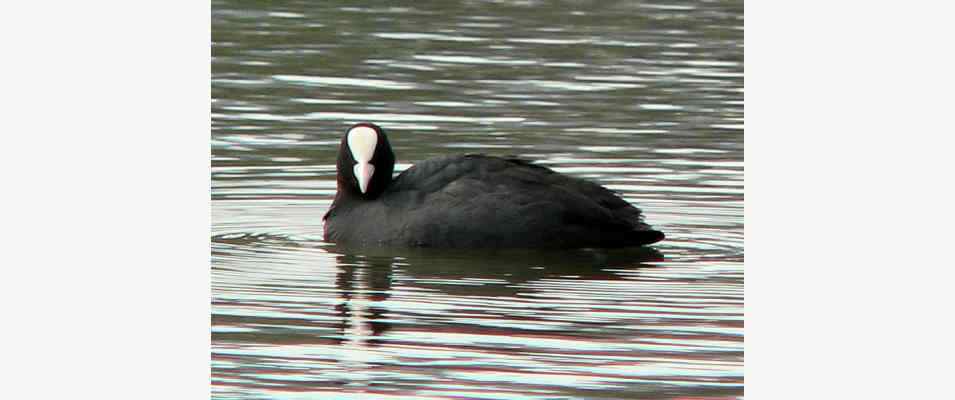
(478, 201)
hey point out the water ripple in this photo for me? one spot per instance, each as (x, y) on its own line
(339, 81)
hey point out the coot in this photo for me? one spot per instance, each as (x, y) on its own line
(470, 201)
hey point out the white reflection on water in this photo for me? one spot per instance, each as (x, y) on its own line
(386, 117)
(340, 81)
(427, 36)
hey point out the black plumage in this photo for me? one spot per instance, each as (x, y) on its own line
(477, 201)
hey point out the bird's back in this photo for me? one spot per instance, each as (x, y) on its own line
(483, 201)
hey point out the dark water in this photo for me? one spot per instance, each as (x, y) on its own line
(643, 97)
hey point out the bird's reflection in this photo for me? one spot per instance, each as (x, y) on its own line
(365, 277)
(363, 285)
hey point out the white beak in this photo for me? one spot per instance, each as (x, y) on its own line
(363, 172)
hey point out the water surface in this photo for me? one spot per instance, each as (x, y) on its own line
(645, 98)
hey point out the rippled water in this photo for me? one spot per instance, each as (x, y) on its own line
(643, 97)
